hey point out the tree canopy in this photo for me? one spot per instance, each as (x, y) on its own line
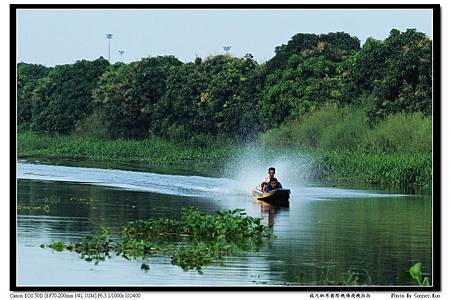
(229, 96)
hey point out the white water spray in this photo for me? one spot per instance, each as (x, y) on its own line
(249, 167)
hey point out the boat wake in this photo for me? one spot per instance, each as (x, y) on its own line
(188, 186)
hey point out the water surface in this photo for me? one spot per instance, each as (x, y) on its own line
(324, 231)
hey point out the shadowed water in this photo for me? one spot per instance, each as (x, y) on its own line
(324, 231)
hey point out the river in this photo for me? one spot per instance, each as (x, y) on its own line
(325, 233)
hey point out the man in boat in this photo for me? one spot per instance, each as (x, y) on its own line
(273, 185)
(270, 175)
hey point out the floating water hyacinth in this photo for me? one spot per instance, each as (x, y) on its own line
(192, 241)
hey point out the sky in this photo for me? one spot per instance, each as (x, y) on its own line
(54, 37)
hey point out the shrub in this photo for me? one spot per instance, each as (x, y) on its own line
(311, 127)
(401, 133)
(346, 134)
(92, 126)
(276, 137)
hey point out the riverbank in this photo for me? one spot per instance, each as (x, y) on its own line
(152, 154)
(410, 172)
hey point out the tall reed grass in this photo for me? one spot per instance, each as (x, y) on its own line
(151, 151)
(396, 152)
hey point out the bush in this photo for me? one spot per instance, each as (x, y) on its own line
(401, 133)
(312, 127)
(64, 96)
(407, 171)
(276, 137)
(348, 133)
(92, 126)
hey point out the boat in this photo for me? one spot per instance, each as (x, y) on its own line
(278, 197)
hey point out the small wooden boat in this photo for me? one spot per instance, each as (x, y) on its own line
(278, 197)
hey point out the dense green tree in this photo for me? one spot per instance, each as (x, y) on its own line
(128, 93)
(229, 96)
(407, 82)
(211, 97)
(335, 45)
(175, 114)
(27, 77)
(303, 76)
(63, 97)
(225, 107)
(112, 88)
(396, 73)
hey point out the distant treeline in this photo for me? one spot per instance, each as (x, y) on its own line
(226, 96)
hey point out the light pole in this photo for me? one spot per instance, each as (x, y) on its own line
(121, 53)
(226, 48)
(109, 37)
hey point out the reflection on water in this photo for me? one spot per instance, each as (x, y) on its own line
(323, 230)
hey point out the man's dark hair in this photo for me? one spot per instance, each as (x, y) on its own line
(274, 179)
(272, 169)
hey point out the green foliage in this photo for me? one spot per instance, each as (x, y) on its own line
(303, 76)
(225, 225)
(401, 133)
(63, 97)
(348, 133)
(349, 278)
(194, 258)
(317, 92)
(313, 127)
(151, 152)
(416, 274)
(93, 126)
(57, 246)
(334, 44)
(397, 71)
(175, 115)
(407, 171)
(397, 152)
(363, 278)
(214, 97)
(346, 128)
(127, 93)
(192, 241)
(278, 137)
(226, 96)
(27, 78)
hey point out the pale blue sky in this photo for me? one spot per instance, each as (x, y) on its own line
(53, 37)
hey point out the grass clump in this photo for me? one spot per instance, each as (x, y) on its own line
(192, 241)
(401, 133)
(413, 276)
(395, 153)
(150, 152)
(411, 172)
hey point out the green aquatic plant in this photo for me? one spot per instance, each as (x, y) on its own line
(416, 273)
(195, 256)
(192, 241)
(349, 278)
(58, 246)
(363, 278)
